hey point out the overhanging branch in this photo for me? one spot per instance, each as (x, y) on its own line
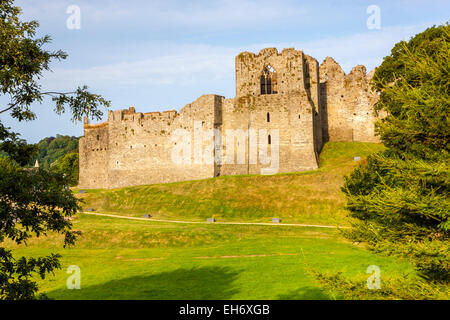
(48, 93)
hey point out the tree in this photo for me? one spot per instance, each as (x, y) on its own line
(401, 197)
(68, 166)
(32, 202)
(414, 89)
(51, 149)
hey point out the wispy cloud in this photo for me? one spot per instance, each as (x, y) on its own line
(159, 14)
(366, 48)
(168, 52)
(192, 65)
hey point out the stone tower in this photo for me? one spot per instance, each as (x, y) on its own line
(278, 91)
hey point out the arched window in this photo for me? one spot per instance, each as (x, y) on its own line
(269, 139)
(268, 117)
(269, 83)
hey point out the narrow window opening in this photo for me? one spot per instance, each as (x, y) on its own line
(269, 84)
(269, 139)
(268, 117)
(263, 85)
(98, 137)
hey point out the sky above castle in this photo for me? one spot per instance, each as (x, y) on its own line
(161, 55)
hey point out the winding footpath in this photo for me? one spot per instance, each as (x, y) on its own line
(202, 222)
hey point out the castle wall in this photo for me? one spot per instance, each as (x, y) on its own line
(311, 104)
(312, 85)
(290, 115)
(140, 146)
(93, 156)
(348, 102)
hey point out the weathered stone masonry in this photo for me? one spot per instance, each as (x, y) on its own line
(308, 104)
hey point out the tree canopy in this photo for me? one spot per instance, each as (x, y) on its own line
(32, 202)
(68, 166)
(414, 90)
(401, 197)
(51, 149)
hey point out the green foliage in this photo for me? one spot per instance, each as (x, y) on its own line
(32, 202)
(414, 86)
(403, 208)
(14, 147)
(337, 286)
(68, 166)
(22, 63)
(401, 197)
(15, 274)
(51, 149)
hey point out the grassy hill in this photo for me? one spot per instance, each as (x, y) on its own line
(305, 197)
(145, 259)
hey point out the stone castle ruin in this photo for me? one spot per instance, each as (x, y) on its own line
(286, 105)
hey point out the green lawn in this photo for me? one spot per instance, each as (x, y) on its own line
(127, 259)
(134, 259)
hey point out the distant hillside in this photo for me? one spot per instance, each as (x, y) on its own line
(51, 149)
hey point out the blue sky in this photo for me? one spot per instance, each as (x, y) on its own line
(160, 55)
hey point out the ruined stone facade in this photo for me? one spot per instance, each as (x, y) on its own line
(286, 105)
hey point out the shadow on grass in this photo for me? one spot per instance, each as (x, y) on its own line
(205, 283)
(305, 293)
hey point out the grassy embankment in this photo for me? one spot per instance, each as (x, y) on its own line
(129, 259)
(306, 197)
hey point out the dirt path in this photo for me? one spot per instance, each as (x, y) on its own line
(202, 222)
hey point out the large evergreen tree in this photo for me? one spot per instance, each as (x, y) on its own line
(401, 197)
(32, 202)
